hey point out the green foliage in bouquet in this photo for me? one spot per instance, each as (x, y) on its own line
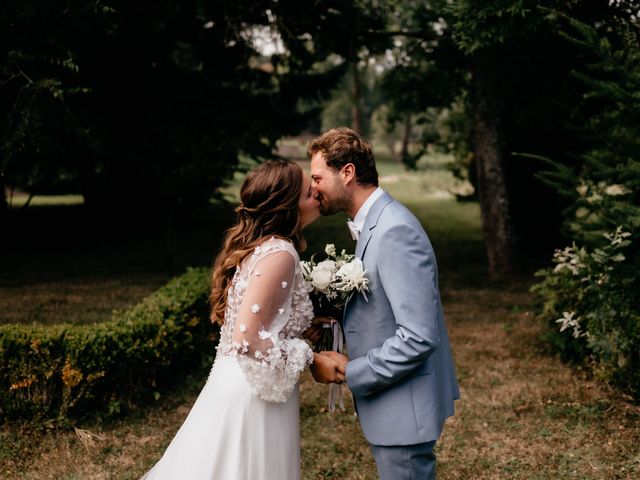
(67, 371)
(591, 294)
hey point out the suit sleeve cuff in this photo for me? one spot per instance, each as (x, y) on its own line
(359, 377)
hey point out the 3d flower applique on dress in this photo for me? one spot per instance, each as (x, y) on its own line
(243, 328)
(284, 284)
(255, 308)
(281, 311)
(264, 335)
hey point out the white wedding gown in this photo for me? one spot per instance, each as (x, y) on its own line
(245, 423)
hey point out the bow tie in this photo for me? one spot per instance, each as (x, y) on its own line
(355, 233)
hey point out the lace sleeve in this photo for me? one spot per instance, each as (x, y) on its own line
(271, 362)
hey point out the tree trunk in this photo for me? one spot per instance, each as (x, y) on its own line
(497, 227)
(404, 153)
(356, 111)
(396, 156)
(4, 205)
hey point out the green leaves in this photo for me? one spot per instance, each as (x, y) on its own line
(605, 212)
(65, 371)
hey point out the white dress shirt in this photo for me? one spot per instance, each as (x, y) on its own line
(358, 222)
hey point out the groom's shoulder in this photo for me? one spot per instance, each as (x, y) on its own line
(397, 216)
(396, 212)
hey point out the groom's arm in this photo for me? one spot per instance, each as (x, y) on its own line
(406, 267)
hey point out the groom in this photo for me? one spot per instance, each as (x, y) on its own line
(400, 370)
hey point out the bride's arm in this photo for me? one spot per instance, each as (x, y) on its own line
(272, 363)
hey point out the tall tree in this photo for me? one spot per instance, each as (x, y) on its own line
(504, 61)
(151, 105)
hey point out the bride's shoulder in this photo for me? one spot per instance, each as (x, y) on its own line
(275, 244)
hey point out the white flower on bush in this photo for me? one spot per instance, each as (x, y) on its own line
(618, 237)
(323, 274)
(569, 321)
(582, 189)
(571, 259)
(615, 190)
(593, 191)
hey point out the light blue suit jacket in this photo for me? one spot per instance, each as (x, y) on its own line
(401, 371)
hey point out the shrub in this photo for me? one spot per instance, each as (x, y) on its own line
(592, 307)
(591, 295)
(67, 371)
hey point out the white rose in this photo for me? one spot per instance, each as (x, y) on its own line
(352, 275)
(327, 265)
(322, 275)
(330, 249)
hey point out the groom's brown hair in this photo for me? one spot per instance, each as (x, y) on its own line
(341, 146)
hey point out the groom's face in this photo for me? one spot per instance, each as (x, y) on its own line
(328, 186)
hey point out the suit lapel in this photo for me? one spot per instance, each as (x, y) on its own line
(367, 231)
(370, 223)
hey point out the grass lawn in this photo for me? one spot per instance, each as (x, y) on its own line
(523, 414)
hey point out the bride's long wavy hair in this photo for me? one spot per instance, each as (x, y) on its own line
(269, 207)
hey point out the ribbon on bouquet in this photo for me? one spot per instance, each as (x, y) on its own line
(335, 390)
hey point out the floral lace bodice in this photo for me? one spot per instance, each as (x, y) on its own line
(268, 308)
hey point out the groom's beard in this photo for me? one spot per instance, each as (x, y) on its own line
(333, 206)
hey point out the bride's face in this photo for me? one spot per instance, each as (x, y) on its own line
(308, 205)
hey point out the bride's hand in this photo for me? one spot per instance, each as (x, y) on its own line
(312, 333)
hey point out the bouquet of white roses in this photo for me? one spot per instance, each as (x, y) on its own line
(331, 283)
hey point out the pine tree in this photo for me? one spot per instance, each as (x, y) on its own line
(593, 290)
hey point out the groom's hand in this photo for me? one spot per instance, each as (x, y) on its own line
(340, 359)
(326, 368)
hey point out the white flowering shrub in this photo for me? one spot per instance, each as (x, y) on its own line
(592, 306)
(592, 292)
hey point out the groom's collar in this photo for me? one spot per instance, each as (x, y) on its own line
(371, 221)
(376, 209)
(361, 216)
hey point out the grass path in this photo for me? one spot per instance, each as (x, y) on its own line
(523, 414)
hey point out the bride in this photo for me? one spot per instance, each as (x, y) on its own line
(245, 423)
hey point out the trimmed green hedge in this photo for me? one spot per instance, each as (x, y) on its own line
(67, 371)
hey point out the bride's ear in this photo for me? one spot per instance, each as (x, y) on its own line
(348, 173)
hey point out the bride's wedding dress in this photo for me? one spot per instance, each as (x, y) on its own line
(245, 423)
